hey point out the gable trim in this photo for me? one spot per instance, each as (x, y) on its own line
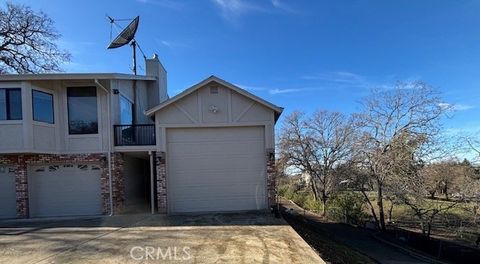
(278, 110)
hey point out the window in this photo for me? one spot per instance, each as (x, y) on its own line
(126, 111)
(10, 104)
(82, 110)
(42, 104)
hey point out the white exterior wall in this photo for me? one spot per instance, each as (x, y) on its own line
(28, 136)
(233, 108)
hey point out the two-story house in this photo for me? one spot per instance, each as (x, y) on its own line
(103, 143)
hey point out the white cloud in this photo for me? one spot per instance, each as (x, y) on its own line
(251, 88)
(341, 79)
(274, 91)
(338, 76)
(455, 107)
(231, 10)
(282, 91)
(279, 4)
(166, 43)
(163, 3)
(171, 44)
(462, 107)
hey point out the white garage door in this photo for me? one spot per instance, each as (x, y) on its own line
(65, 190)
(7, 193)
(216, 169)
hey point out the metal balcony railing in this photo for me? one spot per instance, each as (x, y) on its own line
(134, 135)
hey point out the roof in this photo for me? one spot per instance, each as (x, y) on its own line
(278, 110)
(74, 76)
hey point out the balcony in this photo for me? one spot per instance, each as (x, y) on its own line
(134, 135)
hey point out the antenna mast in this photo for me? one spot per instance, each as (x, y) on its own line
(127, 35)
(134, 52)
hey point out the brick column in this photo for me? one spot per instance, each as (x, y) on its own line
(118, 187)
(105, 188)
(21, 187)
(271, 181)
(161, 183)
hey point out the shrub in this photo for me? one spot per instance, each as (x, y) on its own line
(347, 207)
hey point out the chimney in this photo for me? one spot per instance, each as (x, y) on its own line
(157, 90)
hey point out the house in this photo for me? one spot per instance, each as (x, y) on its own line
(107, 143)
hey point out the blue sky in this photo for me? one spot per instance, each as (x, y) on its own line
(302, 55)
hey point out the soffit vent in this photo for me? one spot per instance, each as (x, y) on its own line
(213, 89)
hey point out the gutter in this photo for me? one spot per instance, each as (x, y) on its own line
(109, 154)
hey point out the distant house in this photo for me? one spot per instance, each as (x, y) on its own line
(100, 143)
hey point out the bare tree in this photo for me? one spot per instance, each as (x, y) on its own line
(332, 136)
(395, 124)
(295, 146)
(317, 146)
(474, 145)
(27, 41)
(407, 180)
(469, 189)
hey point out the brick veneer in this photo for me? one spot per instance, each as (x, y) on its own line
(20, 164)
(161, 183)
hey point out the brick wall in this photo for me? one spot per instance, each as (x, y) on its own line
(21, 162)
(161, 183)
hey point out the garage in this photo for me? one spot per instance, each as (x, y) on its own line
(215, 150)
(216, 169)
(7, 193)
(65, 190)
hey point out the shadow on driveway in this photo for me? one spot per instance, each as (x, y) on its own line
(21, 226)
(208, 238)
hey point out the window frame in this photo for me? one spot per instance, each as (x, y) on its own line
(96, 105)
(53, 108)
(7, 104)
(132, 105)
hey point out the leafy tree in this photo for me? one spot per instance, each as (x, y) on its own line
(27, 41)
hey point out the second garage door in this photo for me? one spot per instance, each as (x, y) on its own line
(65, 190)
(216, 169)
(8, 205)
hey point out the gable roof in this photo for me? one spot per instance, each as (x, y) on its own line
(278, 110)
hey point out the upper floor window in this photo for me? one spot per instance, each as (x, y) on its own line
(82, 110)
(126, 111)
(10, 104)
(42, 104)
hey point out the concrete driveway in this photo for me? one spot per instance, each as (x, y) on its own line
(213, 238)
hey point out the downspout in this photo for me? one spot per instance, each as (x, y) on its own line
(152, 182)
(109, 154)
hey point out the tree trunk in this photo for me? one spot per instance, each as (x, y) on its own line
(445, 191)
(381, 212)
(390, 211)
(314, 188)
(324, 202)
(475, 214)
(422, 225)
(429, 228)
(372, 209)
(324, 209)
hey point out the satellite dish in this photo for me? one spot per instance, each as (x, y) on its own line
(127, 34)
